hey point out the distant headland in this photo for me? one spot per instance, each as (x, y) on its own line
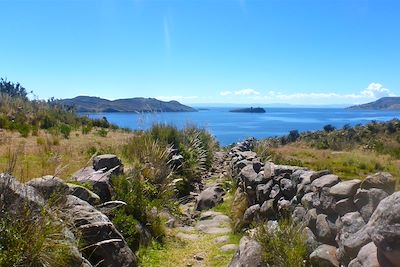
(137, 104)
(248, 110)
(384, 103)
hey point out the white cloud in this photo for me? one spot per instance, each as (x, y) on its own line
(376, 90)
(372, 92)
(176, 97)
(225, 93)
(247, 92)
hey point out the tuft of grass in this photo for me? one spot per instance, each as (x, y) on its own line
(34, 241)
(283, 246)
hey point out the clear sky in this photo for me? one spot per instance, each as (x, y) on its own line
(210, 51)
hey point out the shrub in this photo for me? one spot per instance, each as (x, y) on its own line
(65, 130)
(33, 241)
(329, 128)
(102, 132)
(293, 135)
(86, 129)
(284, 245)
(24, 130)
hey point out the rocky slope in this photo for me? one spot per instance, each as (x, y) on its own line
(348, 223)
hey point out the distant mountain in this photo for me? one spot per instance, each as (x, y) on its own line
(137, 104)
(384, 103)
(248, 110)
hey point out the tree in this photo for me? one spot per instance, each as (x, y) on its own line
(12, 89)
(329, 128)
(293, 135)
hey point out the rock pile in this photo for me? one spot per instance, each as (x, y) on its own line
(348, 223)
(80, 207)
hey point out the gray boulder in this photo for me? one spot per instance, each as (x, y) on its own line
(368, 256)
(324, 256)
(366, 201)
(324, 181)
(83, 193)
(381, 180)
(288, 188)
(325, 229)
(251, 214)
(15, 195)
(267, 210)
(345, 189)
(384, 228)
(108, 162)
(248, 254)
(324, 201)
(103, 243)
(210, 197)
(263, 191)
(344, 206)
(49, 186)
(100, 181)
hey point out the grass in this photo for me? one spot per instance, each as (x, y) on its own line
(47, 154)
(283, 246)
(352, 164)
(29, 240)
(175, 252)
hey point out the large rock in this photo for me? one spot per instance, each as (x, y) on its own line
(268, 210)
(367, 200)
(325, 256)
(263, 191)
(368, 256)
(324, 181)
(384, 228)
(108, 162)
(14, 196)
(381, 180)
(344, 206)
(249, 176)
(325, 229)
(104, 245)
(251, 214)
(83, 193)
(347, 225)
(100, 181)
(324, 201)
(248, 254)
(288, 188)
(210, 197)
(49, 186)
(345, 189)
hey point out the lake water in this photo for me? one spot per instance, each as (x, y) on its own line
(230, 127)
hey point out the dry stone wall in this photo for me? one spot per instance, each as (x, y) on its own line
(347, 223)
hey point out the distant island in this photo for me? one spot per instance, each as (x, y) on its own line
(248, 110)
(384, 103)
(137, 104)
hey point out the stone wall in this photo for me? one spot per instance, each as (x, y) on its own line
(347, 223)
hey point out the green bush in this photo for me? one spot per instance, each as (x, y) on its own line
(284, 245)
(102, 132)
(65, 130)
(24, 130)
(33, 241)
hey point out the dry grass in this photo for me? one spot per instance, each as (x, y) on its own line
(357, 163)
(47, 154)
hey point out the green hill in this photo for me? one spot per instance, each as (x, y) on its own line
(138, 104)
(384, 103)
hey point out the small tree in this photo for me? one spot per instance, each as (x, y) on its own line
(329, 128)
(293, 135)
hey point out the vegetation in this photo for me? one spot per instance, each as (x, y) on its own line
(283, 245)
(37, 241)
(18, 113)
(351, 152)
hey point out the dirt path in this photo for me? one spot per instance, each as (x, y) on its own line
(208, 240)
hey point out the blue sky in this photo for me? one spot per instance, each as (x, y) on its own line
(308, 52)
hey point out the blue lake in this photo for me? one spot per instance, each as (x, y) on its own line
(230, 127)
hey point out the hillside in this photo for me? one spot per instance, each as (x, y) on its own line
(138, 104)
(384, 103)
